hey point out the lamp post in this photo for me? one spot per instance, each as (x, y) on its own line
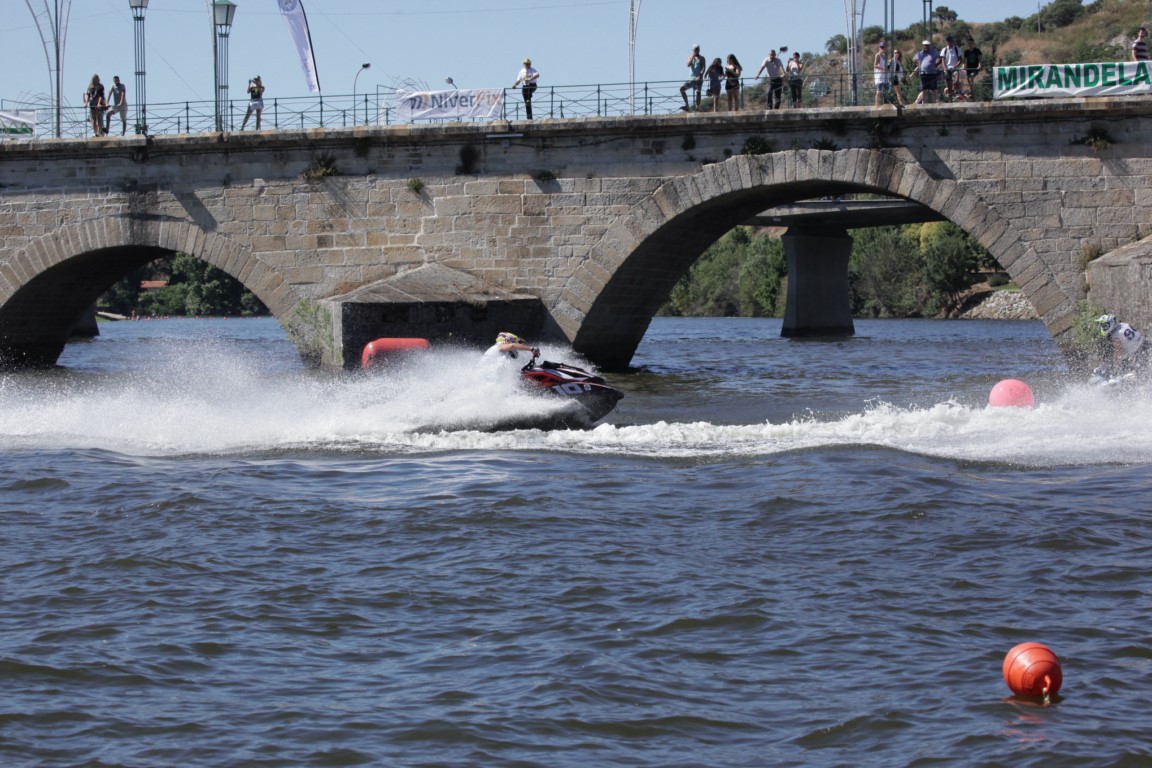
(138, 7)
(363, 67)
(223, 12)
(633, 21)
(451, 82)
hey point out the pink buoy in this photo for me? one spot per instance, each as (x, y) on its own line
(1011, 393)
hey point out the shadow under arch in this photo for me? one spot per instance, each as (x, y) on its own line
(609, 301)
(60, 275)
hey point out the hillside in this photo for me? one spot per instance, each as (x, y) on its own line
(1063, 31)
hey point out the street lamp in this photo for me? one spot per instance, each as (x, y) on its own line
(633, 21)
(223, 12)
(138, 7)
(363, 67)
(451, 82)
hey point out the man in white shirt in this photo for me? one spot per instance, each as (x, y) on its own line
(528, 77)
(774, 68)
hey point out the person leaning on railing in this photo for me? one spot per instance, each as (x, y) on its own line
(774, 69)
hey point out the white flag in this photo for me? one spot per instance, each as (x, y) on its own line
(293, 13)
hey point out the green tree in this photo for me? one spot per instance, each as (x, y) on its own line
(1061, 13)
(885, 273)
(194, 288)
(762, 278)
(836, 44)
(739, 274)
(871, 35)
(945, 14)
(1087, 51)
(950, 258)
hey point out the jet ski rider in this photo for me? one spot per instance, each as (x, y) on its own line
(508, 344)
(1128, 350)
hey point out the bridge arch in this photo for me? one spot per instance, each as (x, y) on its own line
(606, 306)
(61, 274)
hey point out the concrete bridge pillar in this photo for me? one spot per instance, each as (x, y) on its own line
(818, 300)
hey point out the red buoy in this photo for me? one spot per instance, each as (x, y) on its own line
(1031, 669)
(381, 351)
(1013, 393)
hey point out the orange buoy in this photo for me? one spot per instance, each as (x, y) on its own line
(382, 350)
(1012, 393)
(1031, 669)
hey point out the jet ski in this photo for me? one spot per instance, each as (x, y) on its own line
(595, 398)
(588, 397)
(1103, 377)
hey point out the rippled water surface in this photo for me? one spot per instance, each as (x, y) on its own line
(773, 553)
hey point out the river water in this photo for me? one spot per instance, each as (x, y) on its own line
(773, 553)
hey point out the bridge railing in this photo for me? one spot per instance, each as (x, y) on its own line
(558, 102)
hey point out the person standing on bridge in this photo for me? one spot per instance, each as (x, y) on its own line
(527, 77)
(94, 100)
(880, 73)
(732, 73)
(973, 58)
(696, 81)
(951, 58)
(117, 104)
(927, 63)
(795, 79)
(774, 69)
(899, 76)
(1140, 46)
(255, 101)
(715, 73)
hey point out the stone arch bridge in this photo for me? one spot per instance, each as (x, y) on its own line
(568, 230)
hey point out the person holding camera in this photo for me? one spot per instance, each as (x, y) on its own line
(255, 101)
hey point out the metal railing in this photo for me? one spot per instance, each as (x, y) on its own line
(380, 108)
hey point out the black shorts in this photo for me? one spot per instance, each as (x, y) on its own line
(928, 82)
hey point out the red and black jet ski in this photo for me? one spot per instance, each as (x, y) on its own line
(592, 399)
(595, 397)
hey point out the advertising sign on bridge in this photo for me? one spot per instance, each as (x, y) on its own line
(17, 124)
(1115, 78)
(482, 103)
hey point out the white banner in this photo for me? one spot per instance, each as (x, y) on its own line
(292, 12)
(21, 123)
(454, 104)
(1108, 79)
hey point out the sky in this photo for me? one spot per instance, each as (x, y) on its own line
(478, 43)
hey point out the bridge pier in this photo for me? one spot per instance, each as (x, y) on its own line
(818, 299)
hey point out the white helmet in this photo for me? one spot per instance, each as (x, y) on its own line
(1107, 325)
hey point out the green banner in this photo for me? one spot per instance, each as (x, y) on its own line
(21, 124)
(1115, 78)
